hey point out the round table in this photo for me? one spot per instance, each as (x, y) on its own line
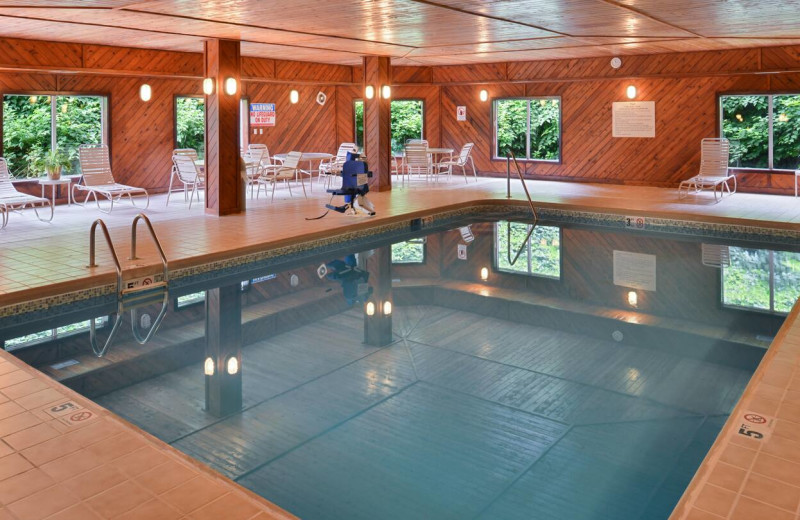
(58, 182)
(308, 157)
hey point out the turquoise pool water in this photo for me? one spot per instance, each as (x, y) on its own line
(585, 380)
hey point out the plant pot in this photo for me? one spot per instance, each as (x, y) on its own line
(54, 174)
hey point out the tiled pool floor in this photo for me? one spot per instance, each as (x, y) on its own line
(462, 416)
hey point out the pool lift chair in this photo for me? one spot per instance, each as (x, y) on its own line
(131, 294)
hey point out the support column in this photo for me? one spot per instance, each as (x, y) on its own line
(223, 343)
(378, 326)
(224, 187)
(377, 120)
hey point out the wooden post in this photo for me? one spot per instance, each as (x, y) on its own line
(378, 327)
(224, 185)
(377, 120)
(223, 343)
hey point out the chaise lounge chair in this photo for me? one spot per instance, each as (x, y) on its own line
(98, 180)
(13, 200)
(713, 174)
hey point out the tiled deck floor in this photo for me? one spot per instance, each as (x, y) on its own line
(736, 481)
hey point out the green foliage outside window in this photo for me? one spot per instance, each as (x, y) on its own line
(745, 122)
(512, 128)
(190, 124)
(27, 129)
(359, 112)
(540, 256)
(409, 252)
(748, 282)
(406, 122)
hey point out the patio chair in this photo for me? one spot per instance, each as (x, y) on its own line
(713, 173)
(281, 172)
(463, 157)
(188, 174)
(174, 177)
(99, 181)
(13, 200)
(333, 167)
(254, 164)
(417, 160)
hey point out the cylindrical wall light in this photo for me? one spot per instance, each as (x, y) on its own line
(387, 308)
(484, 95)
(386, 92)
(369, 92)
(294, 96)
(633, 298)
(233, 366)
(145, 92)
(370, 309)
(630, 92)
(230, 86)
(208, 367)
(208, 86)
(484, 273)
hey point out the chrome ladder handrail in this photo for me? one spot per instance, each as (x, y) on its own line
(99, 352)
(136, 219)
(509, 157)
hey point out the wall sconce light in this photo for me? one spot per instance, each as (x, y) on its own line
(208, 86)
(387, 308)
(484, 273)
(230, 86)
(386, 92)
(233, 366)
(633, 298)
(370, 309)
(369, 92)
(484, 95)
(208, 367)
(145, 92)
(294, 96)
(630, 92)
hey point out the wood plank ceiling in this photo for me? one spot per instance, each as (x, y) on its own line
(412, 32)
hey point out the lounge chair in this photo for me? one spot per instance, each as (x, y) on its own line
(713, 174)
(98, 180)
(13, 200)
(333, 167)
(187, 173)
(463, 157)
(174, 177)
(281, 172)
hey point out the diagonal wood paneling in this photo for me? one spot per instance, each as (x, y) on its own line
(780, 58)
(482, 72)
(261, 68)
(305, 71)
(431, 126)
(140, 60)
(412, 75)
(33, 53)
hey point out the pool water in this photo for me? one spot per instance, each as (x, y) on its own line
(544, 390)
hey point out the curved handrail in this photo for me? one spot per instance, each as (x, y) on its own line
(100, 352)
(510, 155)
(92, 248)
(142, 216)
(154, 326)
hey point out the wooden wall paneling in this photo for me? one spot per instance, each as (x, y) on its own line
(258, 68)
(345, 112)
(33, 53)
(480, 72)
(412, 75)
(377, 141)
(306, 71)
(780, 58)
(102, 57)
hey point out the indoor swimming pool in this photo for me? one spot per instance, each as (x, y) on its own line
(472, 372)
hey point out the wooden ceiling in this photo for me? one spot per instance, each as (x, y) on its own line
(412, 32)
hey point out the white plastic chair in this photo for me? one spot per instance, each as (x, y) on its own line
(417, 160)
(333, 167)
(13, 200)
(254, 164)
(281, 172)
(464, 157)
(713, 175)
(98, 180)
(173, 177)
(188, 174)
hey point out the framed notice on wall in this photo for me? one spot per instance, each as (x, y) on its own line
(262, 114)
(633, 119)
(635, 270)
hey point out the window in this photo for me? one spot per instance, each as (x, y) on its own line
(358, 111)
(764, 130)
(34, 125)
(52, 334)
(761, 279)
(190, 124)
(409, 252)
(406, 122)
(181, 302)
(529, 127)
(540, 256)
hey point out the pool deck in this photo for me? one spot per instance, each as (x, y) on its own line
(50, 462)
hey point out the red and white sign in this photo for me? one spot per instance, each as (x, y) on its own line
(78, 418)
(756, 426)
(461, 113)
(262, 114)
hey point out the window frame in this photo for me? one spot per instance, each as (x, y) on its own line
(770, 132)
(424, 242)
(496, 264)
(105, 117)
(495, 152)
(175, 118)
(55, 335)
(771, 311)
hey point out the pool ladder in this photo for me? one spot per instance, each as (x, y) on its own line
(135, 295)
(510, 157)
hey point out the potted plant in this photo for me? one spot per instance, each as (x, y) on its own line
(52, 162)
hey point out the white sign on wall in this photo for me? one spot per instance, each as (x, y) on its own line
(633, 119)
(462, 251)
(461, 113)
(635, 270)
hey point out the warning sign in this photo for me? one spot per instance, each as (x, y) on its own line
(144, 281)
(62, 408)
(262, 114)
(80, 417)
(461, 113)
(462, 251)
(754, 425)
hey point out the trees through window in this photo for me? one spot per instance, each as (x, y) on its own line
(540, 256)
(190, 124)
(528, 127)
(761, 279)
